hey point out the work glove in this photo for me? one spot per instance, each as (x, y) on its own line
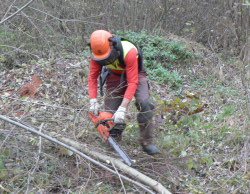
(94, 106)
(119, 116)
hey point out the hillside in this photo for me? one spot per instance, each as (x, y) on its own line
(201, 128)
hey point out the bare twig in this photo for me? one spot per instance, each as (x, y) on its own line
(35, 26)
(8, 9)
(6, 137)
(26, 5)
(37, 160)
(119, 177)
(20, 50)
(69, 20)
(4, 189)
(42, 104)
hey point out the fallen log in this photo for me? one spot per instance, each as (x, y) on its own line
(75, 147)
(156, 186)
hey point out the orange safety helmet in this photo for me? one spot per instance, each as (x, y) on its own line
(100, 44)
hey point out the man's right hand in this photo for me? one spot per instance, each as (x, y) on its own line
(119, 115)
(94, 106)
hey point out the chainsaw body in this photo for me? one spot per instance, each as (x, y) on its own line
(105, 125)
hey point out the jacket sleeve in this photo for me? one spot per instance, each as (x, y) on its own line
(131, 61)
(94, 72)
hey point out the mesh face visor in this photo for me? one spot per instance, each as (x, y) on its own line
(113, 55)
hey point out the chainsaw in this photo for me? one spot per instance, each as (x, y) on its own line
(108, 130)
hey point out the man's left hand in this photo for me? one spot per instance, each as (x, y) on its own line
(119, 116)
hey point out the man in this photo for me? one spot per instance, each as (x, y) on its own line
(126, 79)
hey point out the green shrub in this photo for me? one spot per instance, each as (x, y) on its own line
(162, 75)
(160, 55)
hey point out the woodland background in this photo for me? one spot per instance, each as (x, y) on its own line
(200, 86)
(48, 27)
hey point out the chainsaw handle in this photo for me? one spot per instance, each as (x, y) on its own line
(103, 121)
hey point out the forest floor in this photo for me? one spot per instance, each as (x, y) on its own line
(201, 130)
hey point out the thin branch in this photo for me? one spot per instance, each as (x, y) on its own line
(16, 12)
(69, 20)
(39, 150)
(37, 160)
(119, 177)
(38, 30)
(8, 9)
(243, 4)
(21, 30)
(42, 104)
(20, 50)
(6, 138)
(4, 189)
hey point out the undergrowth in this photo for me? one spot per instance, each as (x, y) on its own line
(21, 45)
(201, 129)
(161, 56)
(211, 141)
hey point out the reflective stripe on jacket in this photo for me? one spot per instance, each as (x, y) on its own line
(127, 46)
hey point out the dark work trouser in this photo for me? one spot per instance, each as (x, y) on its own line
(114, 96)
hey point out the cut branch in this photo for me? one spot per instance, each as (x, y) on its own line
(73, 146)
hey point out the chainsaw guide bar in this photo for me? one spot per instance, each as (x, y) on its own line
(109, 130)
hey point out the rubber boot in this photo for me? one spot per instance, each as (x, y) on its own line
(146, 139)
(151, 149)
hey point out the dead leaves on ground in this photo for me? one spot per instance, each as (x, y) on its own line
(30, 89)
(178, 106)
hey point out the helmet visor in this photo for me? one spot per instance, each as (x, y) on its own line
(112, 56)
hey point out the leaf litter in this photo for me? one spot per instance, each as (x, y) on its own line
(57, 98)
